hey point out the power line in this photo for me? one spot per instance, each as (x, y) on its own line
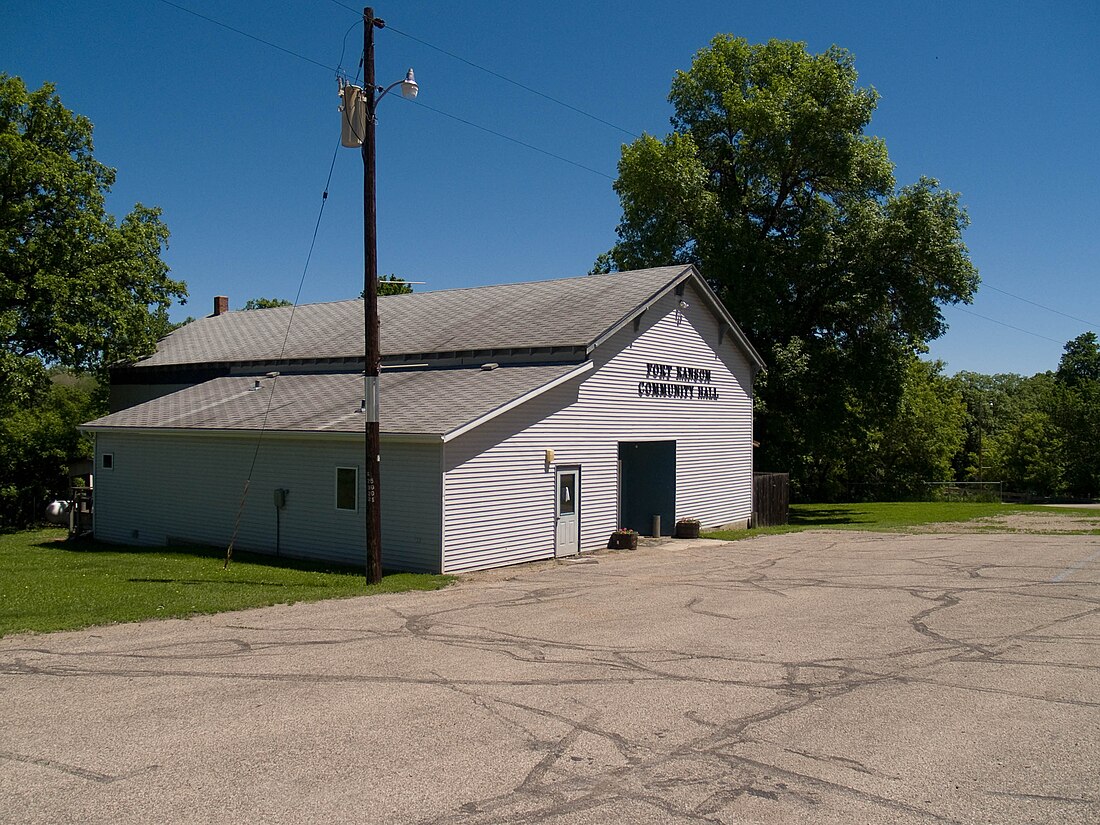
(1010, 326)
(1041, 306)
(517, 141)
(282, 351)
(500, 76)
(336, 70)
(343, 48)
(249, 36)
(516, 83)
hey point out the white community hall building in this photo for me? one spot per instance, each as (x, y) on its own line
(519, 422)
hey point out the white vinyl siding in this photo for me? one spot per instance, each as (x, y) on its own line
(412, 506)
(485, 498)
(178, 489)
(499, 491)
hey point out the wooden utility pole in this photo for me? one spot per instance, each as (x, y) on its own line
(372, 356)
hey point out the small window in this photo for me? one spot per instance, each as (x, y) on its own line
(567, 494)
(107, 461)
(347, 488)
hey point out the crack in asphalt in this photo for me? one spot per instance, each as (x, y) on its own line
(74, 770)
(698, 779)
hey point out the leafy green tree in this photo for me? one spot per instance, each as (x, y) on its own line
(1077, 414)
(1005, 414)
(924, 434)
(265, 303)
(391, 285)
(993, 403)
(1039, 435)
(1032, 451)
(77, 288)
(1080, 363)
(770, 185)
(172, 327)
(1079, 419)
(911, 447)
(38, 442)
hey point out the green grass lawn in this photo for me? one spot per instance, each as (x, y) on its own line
(48, 584)
(891, 516)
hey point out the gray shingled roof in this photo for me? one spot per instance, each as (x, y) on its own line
(561, 313)
(432, 402)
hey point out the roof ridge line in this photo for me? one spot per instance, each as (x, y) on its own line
(458, 289)
(543, 280)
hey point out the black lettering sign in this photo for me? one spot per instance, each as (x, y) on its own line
(658, 371)
(692, 375)
(655, 389)
(662, 374)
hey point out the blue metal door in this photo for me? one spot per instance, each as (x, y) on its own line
(647, 485)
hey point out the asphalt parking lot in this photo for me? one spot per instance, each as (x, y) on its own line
(820, 677)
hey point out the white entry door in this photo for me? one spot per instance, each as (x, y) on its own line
(568, 511)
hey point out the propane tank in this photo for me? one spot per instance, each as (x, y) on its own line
(57, 512)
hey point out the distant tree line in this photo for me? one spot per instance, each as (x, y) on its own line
(1038, 435)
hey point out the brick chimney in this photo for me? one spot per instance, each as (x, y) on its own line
(221, 304)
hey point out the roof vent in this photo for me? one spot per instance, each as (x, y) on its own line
(255, 387)
(490, 366)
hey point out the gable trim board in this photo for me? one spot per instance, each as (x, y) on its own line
(466, 481)
(713, 302)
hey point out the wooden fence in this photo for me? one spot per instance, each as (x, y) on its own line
(770, 499)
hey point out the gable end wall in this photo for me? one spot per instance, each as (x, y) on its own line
(499, 492)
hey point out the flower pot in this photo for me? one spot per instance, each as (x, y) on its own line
(623, 540)
(687, 528)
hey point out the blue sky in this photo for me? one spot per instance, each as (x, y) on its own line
(234, 138)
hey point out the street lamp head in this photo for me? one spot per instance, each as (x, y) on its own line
(409, 87)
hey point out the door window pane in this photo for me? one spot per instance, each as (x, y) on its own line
(567, 494)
